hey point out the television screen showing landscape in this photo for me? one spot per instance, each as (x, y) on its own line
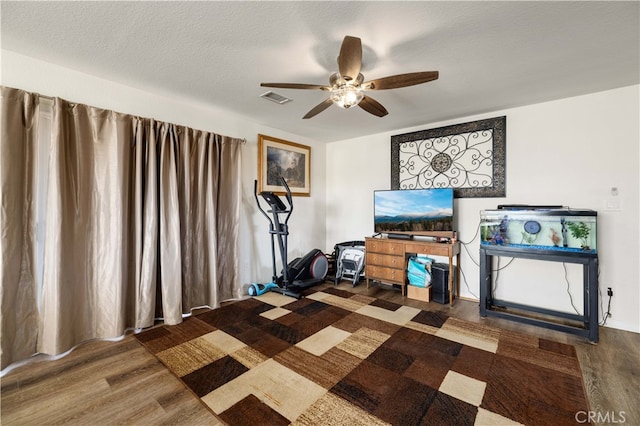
(413, 210)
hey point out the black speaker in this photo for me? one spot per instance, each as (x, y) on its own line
(440, 283)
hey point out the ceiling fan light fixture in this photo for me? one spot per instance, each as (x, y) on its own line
(347, 86)
(346, 95)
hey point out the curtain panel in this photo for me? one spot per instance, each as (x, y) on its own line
(190, 184)
(18, 304)
(87, 285)
(141, 222)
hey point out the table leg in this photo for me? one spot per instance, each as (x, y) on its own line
(591, 282)
(485, 277)
(450, 281)
(458, 275)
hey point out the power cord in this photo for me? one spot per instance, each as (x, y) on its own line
(466, 248)
(464, 244)
(497, 271)
(474, 237)
(607, 314)
(477, 263)
(469, 253)
(566, 278)
(464, 277)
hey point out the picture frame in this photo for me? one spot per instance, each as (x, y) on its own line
(278, 157)
(468, 157)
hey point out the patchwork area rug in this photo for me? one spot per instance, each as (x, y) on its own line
(338, 358)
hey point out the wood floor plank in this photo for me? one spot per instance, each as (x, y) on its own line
(82, 374)
(114, 407)
(611, 372)
(41, 365)
(99, 383)
(51, 406)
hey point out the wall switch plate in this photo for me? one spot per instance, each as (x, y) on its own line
(613, 204)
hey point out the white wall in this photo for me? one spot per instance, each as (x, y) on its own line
(307, 224)
(569, 152)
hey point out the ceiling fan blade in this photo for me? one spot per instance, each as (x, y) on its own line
(295, 86)
(401, 80)
(319, 108)
(350, 59)
(372, 106)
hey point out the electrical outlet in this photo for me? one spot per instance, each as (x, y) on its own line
(609, 292)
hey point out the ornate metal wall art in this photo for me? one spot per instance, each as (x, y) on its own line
(468, 157)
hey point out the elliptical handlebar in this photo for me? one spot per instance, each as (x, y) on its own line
(274, 201)
(255, 194)
(289, 198)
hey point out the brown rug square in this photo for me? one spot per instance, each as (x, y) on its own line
(343, 359)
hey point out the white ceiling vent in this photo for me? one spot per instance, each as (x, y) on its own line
(274, 97)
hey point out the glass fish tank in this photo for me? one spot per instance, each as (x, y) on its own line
(557, 228)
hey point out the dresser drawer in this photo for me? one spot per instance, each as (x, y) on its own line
(380, 259)
(432, 249)
(374, 272)
(384, 246)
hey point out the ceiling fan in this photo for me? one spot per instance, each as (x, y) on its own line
(347, 86)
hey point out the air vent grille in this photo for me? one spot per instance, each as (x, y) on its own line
(274, 97)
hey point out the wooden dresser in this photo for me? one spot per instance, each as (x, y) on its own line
(386, 260)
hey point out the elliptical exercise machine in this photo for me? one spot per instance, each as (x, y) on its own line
(302, 272)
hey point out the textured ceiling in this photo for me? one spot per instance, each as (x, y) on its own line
(490, 55)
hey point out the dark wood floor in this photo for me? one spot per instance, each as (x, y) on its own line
(121, 383)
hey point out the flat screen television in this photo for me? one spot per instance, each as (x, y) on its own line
(408, 212)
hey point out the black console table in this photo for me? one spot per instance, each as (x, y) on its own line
(500, 308)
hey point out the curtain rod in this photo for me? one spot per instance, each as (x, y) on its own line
(51, 98)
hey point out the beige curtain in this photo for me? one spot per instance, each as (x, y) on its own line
(142, 221)
(206, 163)
(194, 218)
(87, 289)
(19, 314)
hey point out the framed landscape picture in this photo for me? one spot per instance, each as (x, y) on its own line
(278, 157)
